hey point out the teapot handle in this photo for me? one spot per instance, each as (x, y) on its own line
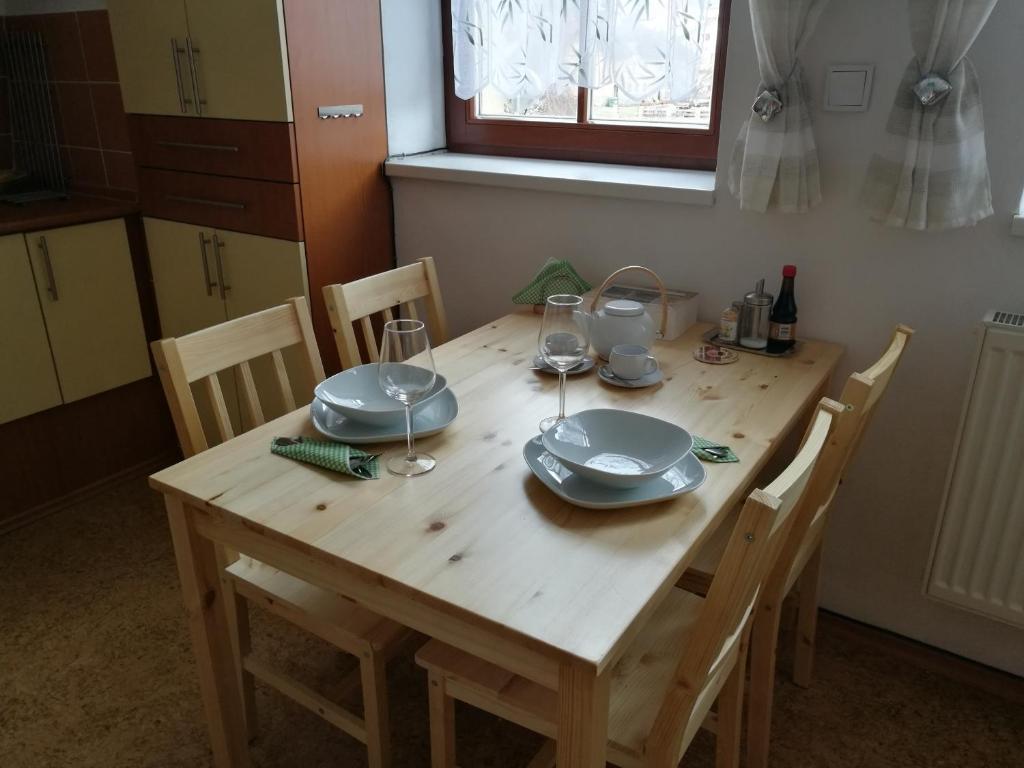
(652, 273)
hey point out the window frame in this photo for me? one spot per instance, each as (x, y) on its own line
(662, 146)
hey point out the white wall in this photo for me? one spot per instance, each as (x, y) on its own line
(856, 281)
(26, 7)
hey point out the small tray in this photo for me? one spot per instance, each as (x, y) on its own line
(711, 337)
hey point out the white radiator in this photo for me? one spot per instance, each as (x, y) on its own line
(977, 559)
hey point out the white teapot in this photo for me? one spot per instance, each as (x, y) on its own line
(622, 321)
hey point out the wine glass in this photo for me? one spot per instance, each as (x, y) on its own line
(563, 342)
(406, 373)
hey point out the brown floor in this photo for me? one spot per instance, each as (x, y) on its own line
(96, 672)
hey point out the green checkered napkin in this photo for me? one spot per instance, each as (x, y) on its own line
(699, 444)
(337, 457)
(554, 277)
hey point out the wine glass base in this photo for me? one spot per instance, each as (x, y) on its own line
(549, 422)
(401, 465)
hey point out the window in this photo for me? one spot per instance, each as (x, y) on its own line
(600, 125)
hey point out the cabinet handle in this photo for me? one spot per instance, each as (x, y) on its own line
(203, 242)
(188, 145)
(204, 201)
(51, 279)
(192, 51)
(218, 244)
(176, 51)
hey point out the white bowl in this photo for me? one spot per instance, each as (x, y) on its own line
(619, 449)
(356, 394)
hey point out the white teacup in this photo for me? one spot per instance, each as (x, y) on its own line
(631, 361)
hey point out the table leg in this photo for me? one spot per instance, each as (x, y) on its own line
(211, 641)
(582, 717)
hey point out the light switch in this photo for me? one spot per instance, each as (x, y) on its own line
(848, 87)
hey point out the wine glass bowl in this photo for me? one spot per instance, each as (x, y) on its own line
(563, 342)
(406, 373)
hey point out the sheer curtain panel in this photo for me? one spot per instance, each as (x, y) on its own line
(932, 172)
(775, 160)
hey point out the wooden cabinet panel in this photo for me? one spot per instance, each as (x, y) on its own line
(267, 208)
(263, 272)
(29, 382)
(241, 59)
(86, 286)
(148, 66)
(251, 150)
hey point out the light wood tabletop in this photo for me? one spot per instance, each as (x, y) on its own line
(479, 553)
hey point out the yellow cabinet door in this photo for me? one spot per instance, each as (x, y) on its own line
(259, 273)
(86, 285)
(28, 381)
(188, 299)
(240, 57)
(154, 75)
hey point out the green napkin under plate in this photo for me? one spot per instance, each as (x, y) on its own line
(336, 457)
(699, 449)
(554, 277)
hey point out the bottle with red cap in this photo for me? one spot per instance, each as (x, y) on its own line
(782, 323)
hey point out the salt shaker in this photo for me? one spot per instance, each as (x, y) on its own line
(757, 310)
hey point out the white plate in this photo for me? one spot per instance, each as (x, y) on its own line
(583, 367)
(356, 394)
(431, 419)
(685, 476)
(646, 380)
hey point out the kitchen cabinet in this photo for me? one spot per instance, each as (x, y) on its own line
(206, 58)
(86, 288)
(28, 383)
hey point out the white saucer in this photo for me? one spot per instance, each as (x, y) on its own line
(583, 367)
(431, 419)
(686, 475)
(646, 380)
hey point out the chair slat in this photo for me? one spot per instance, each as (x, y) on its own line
(250, 397)
(388, 315)
(220, 410)
(410, 310)
(283, 383)
(368, 337)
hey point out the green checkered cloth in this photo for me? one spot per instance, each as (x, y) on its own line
(700, 443)
(336, 457)
(554, 277)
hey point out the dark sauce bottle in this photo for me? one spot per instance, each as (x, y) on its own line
(782, 324)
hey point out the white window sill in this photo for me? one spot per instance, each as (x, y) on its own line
(1017, 227)
(631, 182)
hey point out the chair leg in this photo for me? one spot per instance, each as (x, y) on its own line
(372, 670)
(764, 643)
(241, 639)
(730, 711)
(807, 621)
(442, 723)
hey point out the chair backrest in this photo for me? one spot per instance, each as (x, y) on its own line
(360, 299)
(201, 355)
(765, 522)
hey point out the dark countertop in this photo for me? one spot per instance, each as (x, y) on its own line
(50, 214)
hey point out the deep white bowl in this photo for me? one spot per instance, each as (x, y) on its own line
(356, 394)
(619, 449)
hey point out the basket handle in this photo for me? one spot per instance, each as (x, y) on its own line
(652, 273)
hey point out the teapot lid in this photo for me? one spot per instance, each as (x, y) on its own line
(623, 308)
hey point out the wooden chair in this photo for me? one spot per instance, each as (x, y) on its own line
(860, 396)
(691, 652)
(353, 629)
(359, 300)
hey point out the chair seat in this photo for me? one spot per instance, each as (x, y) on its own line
(638, 683)
(322, 612)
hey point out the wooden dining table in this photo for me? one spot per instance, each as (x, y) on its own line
(478, 553)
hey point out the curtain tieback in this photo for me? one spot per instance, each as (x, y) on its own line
(769, 102)
(931, 89)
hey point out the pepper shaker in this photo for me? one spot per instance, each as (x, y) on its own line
(757, 310)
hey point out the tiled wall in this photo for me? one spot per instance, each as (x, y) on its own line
(91, 124)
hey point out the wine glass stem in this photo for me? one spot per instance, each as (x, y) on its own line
(561, 395)
(411, 452)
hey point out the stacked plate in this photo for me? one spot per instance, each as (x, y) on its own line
(350, 407)
(605, 459)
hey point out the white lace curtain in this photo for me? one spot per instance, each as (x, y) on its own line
(524, 47)
(933, 171)
(775, 160)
